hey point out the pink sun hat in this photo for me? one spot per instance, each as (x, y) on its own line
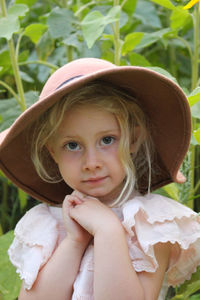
(163, 101)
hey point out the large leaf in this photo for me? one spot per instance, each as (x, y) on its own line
(195, 109)
(10, 110)
(194, 97)
(27, 2)
(165, 3)
(8, 26)
(129, 6)
(150, 38)
(137, 59)
(131, 40)
(94, 23)
(172, 191)
(35, 31)
(73, 40)
(197, 135)
(149, 15)
(45, 46)
(5, 58)
(9, 279)
(60, 22)
(179, 18)
(18, 10)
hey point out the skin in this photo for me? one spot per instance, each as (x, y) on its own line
(86, 151)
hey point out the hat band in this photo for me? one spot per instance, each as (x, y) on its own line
(68, 80)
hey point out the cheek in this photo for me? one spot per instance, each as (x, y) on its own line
(113, 158)
(68, 164)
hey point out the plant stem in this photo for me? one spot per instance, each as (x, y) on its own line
(81, 8)
(3, 8)
(17, 75)
(4, 205)
(195, 74)
(117, 46)
(39, 62)
(69, 53)
(14, 63)
(195, 60)
(172, 56)
(10, 90)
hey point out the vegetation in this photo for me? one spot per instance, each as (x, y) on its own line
(37, 37)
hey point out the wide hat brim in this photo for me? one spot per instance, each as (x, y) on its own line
(163, 101)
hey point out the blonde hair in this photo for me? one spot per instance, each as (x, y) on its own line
(133, 125)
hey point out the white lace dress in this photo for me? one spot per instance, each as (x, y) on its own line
(148, 220)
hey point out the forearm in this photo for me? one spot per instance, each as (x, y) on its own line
(56, 278)
(114, 276)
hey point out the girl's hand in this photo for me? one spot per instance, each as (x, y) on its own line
(93, 215)
(74, 230)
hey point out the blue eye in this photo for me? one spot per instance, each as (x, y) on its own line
(107, 140)
(73, 146)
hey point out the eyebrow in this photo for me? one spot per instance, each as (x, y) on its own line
(99, 133)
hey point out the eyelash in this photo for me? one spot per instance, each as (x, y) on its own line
(112, 138)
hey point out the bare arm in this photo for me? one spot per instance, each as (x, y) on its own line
(114, 275)
(55, 280)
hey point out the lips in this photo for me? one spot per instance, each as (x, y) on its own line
(94, 179)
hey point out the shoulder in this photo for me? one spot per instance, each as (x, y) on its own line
(153, 220)
(158, 208)
(36, 223)
(35, 237)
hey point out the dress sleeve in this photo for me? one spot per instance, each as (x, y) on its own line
(152, 219)
(36, 236)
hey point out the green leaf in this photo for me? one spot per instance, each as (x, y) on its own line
(129, 6)
(131, 40)
(23, 56)
(113, 15)
(137, 59)
(24, 76)
(35, 31)
(45, 46)
(27, 2)
(94, 23)
(165, 3)
(149, 15)
(18, 10)
(5, 58)
(60, 22)
(73, 41)
(172, 190)
(194, 97)
(22, 198)
(9, 279)
(197, 135)
(92, 27)
(10, 110)
(8, 26)
(150, 38)
(179, 18)
(195, 110)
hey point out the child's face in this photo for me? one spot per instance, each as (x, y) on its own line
(86, 150)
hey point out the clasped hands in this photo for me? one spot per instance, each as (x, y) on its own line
(85, 216)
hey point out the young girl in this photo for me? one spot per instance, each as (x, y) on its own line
(99, 139)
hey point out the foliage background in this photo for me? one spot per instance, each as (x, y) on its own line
(37, 37)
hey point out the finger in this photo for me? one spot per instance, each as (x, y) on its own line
(79, 194)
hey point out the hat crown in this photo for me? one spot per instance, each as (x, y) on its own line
(73, 70)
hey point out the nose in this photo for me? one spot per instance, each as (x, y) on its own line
(92, 160)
